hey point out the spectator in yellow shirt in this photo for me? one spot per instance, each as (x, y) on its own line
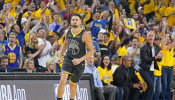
(158, 73)
(106, 76)
(123, 51)
(170, 13)
(167, 68)
(160, 10)
(148, 6)
(113, 10)
(132, 4)
(43, 9)
(136, 34)
(32, 9)
(80, 7)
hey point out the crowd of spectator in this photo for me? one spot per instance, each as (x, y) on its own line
(32, 35)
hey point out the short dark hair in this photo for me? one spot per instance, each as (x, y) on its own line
(57, 34)
(13, 33)
(124, 58)
(3, 57)
(40, 29)
(102, 64)
(126, 41)
(107, 34)
(13, 26)
(49, 37)
(134, 38)
(77, 15)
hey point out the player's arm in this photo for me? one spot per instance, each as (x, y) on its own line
(63, 49)
(88, 42)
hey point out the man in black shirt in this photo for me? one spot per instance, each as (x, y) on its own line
(149, 55)
(103, 48)
(125, 77)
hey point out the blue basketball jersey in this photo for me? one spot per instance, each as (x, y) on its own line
(96, 27)
(13, 54)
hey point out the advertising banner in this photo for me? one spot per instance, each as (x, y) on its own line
(41, 90)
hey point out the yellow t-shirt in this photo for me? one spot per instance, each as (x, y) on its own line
(158, 72)
(86, 18)
(11, 14)
(7, 1)
(26, 38)
(106, 44)
(132, 6)
(123, 51)
(14, 3)
(171, 19)
(61, 4)
(77, 11)
(148, 8)
(167, 2)
(116, 13)
(60, 41)
(167, 59)
(51, 21)
(38, 13)
(159, 14)
(34, 15)
(105, 75)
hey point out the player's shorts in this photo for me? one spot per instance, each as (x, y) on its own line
(75, 71)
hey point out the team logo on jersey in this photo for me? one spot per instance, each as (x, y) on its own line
(12, 57)
(73, 46)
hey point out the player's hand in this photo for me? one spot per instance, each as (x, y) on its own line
(76, 61)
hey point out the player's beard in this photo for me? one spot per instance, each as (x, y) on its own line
(74, 26)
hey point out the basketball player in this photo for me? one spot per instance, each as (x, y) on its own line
(76, 41)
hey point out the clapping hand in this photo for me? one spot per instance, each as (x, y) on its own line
(42, 46)
(159, 55)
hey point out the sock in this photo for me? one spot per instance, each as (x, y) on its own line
(59, 98)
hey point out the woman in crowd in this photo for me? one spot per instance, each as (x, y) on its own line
(32, 50)
(29, 65)
(167, 68)
(106, 76)
(50, 64)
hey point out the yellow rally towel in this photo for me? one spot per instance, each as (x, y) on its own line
(144, 87)
(130, 23)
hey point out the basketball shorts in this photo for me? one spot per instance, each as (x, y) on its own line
(75, 71)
